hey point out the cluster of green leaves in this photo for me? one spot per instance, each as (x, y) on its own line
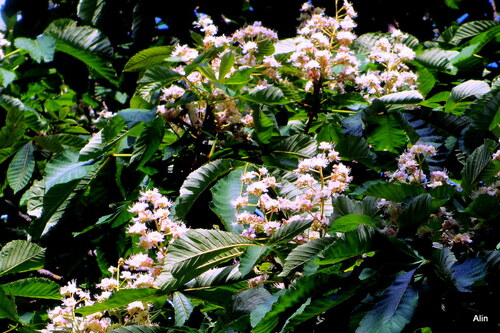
(73, 180)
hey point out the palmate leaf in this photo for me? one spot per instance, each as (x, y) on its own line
(304, 253)
(228, 188)
(182, 308)
(469, 88)
(6, 77)
(395, 310)
(84, 43)
(21, 168)
(33, 288)
(294, 296)
(197, 251)
(198, 181)
(148, 58)
(20, 256)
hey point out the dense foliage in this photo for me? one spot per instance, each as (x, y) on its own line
(247, 182)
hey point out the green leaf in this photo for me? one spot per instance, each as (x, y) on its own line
(228, 188)
(40, 49)
(6, 77)
(289, 231)
(385, 133)
(469, 88)
(148, 142)
(8, 308)
(65, 168)
(21, 168)
(350, 222)
(467, 273)
(198, 181)
(182, 308)
(355, 148)
(33, 288)
(251, 257)
(14, 129)
(265, 48)
(221, 276)
(134, 116)
(290, 149)
(197, 251)
(304, 253)
(226, 63)
(146, 329)
(352, 244)
(264, 126)
(85, 44)
(403, 97)
(120, 299)
(269, 95)
(20, 256)
(439, 59)
(475, 165)
(294, 296)
(148, 58)
(392, 191)
(453, 4)
(471, 29)
(426, 80)
(161, 75)
(395, 310)
(415, 212)
(49, 142)
(343, 205)
(207, 71)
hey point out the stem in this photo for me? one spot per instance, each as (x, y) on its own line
(11, 329)
(315, 108)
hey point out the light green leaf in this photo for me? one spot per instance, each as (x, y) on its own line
(148, 142)
(352, 244)
(8, 308)
(403, 97)
(134, 116)
(470, 88)
(40, 49)
(438, 59)
(207, 71)
(395, 310)
(21, 168)
(385, 133)
(6, 77)
(198, 181)
(20, 256)
(148, 58)
(65, 167)
(33, 288)
(269, 95)
(304, 253)
(182, 308)
(251, 257)
(120, 299)
(226, 63)
(197, 251)
(350, 222)
(471, 29)
(220, 276)
(228, 188)
(289, 231)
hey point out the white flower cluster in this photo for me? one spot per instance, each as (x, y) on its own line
(272, 212)
(155, 229)
(395, 76)
(410, 167)
(323, 49)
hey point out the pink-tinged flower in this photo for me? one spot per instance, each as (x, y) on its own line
(137, 228)
(69, 302)
(248, 47)
(144, 281)
(135, 307)
(239, 202)
(69, 289)
(248, 176)
(258, 280)
(108, 284)
(257, 188)
(139, 260)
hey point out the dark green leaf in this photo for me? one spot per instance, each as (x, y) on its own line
(475, 165)
(148, 142)
(395, 310)
(304, 253)
(182, 308)
(269, 95)
(403, 97)
(33, 288)
(120, 299)
(8, 308)
(392, 191)
(135, 116)
(148, 58)
(21, 168)
(415, 212)
(289, 231)
(251, 257)
(352, 244)
(350, 222)
(385, 133)
(20, 256)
